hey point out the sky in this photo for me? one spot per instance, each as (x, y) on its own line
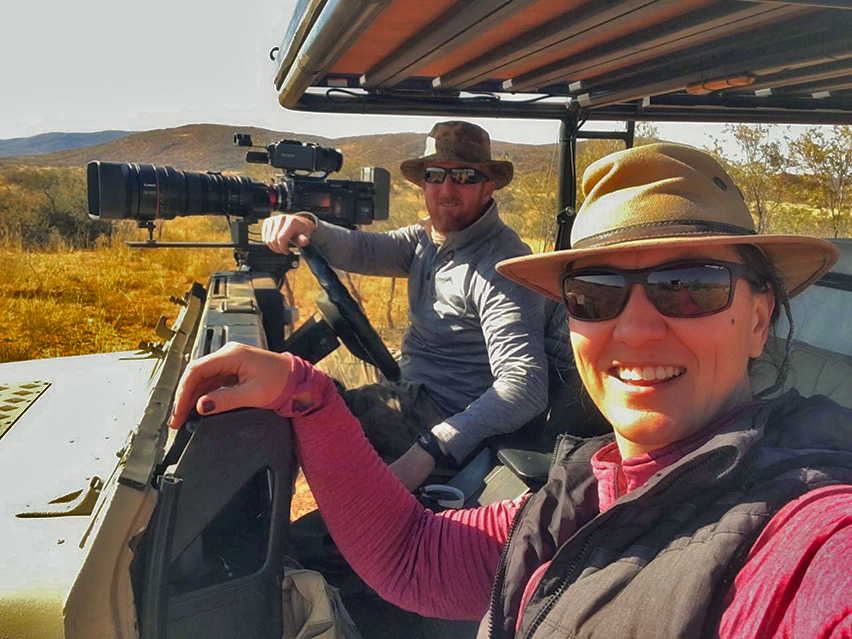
(98, 64)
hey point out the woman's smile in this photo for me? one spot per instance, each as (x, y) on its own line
(647, 374)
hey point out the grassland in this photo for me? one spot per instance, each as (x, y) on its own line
(73, 302)
(57, 301)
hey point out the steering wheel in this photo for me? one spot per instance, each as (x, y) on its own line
(346, 317)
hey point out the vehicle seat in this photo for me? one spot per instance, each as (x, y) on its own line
(822, 351)
(813, 371)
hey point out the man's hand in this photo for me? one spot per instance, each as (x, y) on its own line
(413, 467)
(279, 230)
(235, 376)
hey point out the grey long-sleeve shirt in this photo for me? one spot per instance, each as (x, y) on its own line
(475, 339)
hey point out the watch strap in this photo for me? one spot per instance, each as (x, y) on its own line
(428, 442)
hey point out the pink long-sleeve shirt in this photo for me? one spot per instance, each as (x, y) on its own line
(796, 582)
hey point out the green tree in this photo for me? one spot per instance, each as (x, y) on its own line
(528, 205)
(40, 207)
(645, 133)
(827, 157)
(759, 167)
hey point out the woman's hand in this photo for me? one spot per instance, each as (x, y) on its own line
(235, 376)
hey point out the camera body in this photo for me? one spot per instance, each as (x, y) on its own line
(294, 155)
(145, 192)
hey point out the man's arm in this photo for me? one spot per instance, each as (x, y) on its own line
(388, 254)
(512, 319)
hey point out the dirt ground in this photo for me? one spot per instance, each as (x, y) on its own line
(303, 500)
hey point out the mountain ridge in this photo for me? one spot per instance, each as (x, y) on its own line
(56, 141)
(209, 147)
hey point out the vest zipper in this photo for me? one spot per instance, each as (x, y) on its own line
(500, 575)
(571, 576)
(559, 439)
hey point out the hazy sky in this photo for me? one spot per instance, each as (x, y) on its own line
(98, 64)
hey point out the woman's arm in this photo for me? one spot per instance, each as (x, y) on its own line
(436, 565)
(797, 580)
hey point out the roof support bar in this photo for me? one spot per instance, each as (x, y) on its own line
(625, 136)
(835, 84)
(679, 74)
(461, 24)
(826, 4)
(309, 10)
(338, 26)
(799, 75)
(823, 37)
(833, 110)
(566, 198)
(680, 108)
(585, 21)
(675, 35)
(757, 105)
(566, 195)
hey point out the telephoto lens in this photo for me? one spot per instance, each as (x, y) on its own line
(144, 192)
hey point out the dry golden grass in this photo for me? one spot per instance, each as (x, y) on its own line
(74, 302)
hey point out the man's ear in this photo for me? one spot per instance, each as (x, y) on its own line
(764, 304)
(487, 192)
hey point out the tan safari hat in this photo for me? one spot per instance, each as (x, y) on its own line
(660, 196)
(461, 142)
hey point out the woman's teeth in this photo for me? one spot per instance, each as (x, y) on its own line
(648, 373)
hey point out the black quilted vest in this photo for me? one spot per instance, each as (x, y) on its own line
(659, 561)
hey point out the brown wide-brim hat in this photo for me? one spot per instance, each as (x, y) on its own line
(461, 142)
(662, 196)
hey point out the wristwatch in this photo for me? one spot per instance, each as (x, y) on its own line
(428, 442)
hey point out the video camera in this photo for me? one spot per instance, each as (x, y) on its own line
(145, 192)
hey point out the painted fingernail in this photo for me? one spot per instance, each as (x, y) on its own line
(207, 406)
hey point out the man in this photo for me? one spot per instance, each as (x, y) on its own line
(473, 361)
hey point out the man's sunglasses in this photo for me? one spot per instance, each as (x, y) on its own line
(459, 175)
(691, 288)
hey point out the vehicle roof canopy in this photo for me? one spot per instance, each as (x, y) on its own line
(663, 60)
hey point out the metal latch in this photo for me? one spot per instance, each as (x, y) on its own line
(162, 330)
(153, 349)
(79, 502)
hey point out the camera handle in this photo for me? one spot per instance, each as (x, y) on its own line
(249, 256)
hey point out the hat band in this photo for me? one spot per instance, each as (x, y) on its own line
(659, 230)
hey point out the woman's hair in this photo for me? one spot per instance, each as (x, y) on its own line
(765, 278)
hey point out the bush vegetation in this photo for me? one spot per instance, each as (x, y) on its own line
(69, 285)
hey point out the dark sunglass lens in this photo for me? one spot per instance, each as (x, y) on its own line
(593, 296)
(687, 291)
(434, 175)
(464, 175)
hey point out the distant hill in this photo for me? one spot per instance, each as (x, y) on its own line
(209, 147)
(53, 142)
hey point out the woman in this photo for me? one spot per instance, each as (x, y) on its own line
(709, 511)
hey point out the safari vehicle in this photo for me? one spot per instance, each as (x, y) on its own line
(115, 527)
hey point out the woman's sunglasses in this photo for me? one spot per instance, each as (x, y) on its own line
(459, 175)
(679, 289)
